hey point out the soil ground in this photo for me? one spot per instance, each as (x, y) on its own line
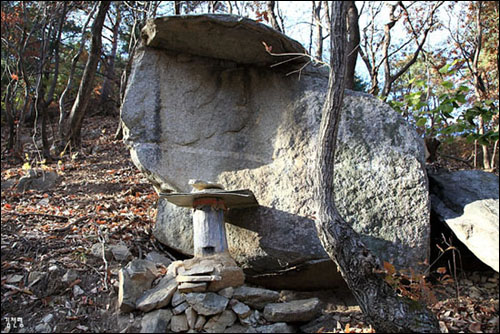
(101, 197)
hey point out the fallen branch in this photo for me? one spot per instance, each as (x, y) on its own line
(47, 215)
(103, 251)
(71, 224)
(457, 159)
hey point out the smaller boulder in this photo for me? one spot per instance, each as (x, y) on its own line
(191, 316)
(241, 309)
(467, 201)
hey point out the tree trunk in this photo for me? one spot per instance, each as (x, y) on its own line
(361, 270)
(272, 15)
(479, 86)
(177, 7)
(486, 153)
(109, 106)
(72, 134)
(45, 102)
(352, 43)
(319, 30)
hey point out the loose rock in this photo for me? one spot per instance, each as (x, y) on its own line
(297, 310)
(200, 322)
(159, 296)
(180, 308)
(156, 257)
(179, 323)
(70, 276)
(134, 279)
(191, 317)
(121, 252)
(227, 292)
(467, 201)
(156, 321)
(178, 298)
(192, 287)
(218, 323)
(255, 297)
(207, 303)
(42, 181)
(242, 310)
(279, 327)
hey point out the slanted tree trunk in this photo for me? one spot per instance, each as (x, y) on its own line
(72, 133)
(361, 270)
(63, 112)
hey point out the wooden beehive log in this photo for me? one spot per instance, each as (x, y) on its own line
(209, 204)
(209, 231)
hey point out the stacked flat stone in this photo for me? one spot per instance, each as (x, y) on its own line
(207, 295)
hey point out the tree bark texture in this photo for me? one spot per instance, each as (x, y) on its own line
(383, 308)
(352, 43)
(79, 108)
(272, 15)
(63, 113)
(106, 102)
(318, 29)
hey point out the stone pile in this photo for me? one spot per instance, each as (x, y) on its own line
(207, 294)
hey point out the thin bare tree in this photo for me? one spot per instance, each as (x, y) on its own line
(360, 268)
(72, 131)
(376, 49)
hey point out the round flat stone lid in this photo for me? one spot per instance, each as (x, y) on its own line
(221, 36)
(232, 199)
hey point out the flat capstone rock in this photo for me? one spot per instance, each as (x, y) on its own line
(209, 36)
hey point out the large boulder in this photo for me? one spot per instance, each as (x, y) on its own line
(467, 201)
(188, 114)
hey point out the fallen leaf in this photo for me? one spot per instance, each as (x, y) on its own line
(475, 327)
(441, 270)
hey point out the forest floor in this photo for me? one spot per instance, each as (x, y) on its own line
(101, 197)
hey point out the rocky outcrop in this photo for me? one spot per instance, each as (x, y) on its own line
(191, 113)
(467, 201)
